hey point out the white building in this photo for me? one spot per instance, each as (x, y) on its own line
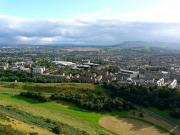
(39, 70)
(160, 82)
(98, 78)
(81, 66)
(91, 64)
(3, 67)
(14, 68)
(128, 73)
(173, 84)
(64, 63)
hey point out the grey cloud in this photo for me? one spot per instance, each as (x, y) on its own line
(19, 31)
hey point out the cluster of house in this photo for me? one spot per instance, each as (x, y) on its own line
(92, 78)
(24, 66)
(98, 75)
(134, 77)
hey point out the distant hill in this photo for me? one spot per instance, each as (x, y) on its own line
(168, 45)
(126, 44)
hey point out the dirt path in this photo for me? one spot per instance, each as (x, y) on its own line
(129, 126)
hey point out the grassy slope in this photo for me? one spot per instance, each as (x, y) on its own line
(67, 114)
(25, 128)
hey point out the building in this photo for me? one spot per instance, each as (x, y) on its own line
(5, 66)
(160, 82)
(20, 64)
(14, 68)
(81, 66)
(63, 63)
(128, 73)
(91, 64)
(98, 78)
(173, 84)
(39, 70)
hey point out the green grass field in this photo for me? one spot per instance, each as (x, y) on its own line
(59, 111)
(64, 113)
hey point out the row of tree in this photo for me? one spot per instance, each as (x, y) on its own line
(115, 96)
(160, 97)
(23, 76)
(90, 100)
(93, 101)
(38, 96)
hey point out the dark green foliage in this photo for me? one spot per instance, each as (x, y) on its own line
(175, 113)
(98, 101)
(159, 97)
(33, 95)
(141, 115)
(56, 130)
(22, 76)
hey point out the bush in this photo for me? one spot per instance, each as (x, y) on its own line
(37, 96)
(92, 101)
(56, 130)
(162, 98)
(141, 115)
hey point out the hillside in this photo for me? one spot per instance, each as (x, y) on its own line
(29, 115)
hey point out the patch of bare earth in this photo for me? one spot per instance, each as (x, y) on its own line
(129, 126)
(160, 122)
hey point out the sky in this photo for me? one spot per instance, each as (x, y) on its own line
(88, 21)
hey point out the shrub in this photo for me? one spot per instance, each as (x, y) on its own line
(34, 95)
(141, 115)
(56, 130)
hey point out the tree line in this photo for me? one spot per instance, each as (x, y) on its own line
(163, 98)
(23, 76)
(90, 100)
(114, 96)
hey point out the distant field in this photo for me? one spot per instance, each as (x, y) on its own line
(92, 122)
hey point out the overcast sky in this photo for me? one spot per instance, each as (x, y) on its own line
(88, 21)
